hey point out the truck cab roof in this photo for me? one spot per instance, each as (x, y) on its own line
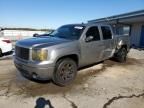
(87, 24)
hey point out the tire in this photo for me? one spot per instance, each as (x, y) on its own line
(1, 53)
(65, 72)
(121, 55)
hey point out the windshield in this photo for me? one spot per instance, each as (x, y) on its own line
(71, 32)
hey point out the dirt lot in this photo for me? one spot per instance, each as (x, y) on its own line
(106, 85)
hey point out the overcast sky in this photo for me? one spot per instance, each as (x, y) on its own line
(54, 13)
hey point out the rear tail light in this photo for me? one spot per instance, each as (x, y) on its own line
(7, 41)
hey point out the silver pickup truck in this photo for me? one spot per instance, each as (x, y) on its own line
(57, 56)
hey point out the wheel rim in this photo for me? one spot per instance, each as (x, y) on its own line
(66, 72)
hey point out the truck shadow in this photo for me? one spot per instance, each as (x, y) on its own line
(82, 78)
(32, 89)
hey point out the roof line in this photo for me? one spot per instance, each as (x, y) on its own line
(120, 16)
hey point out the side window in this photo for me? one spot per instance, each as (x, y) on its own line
(94, 32)
(106, 32)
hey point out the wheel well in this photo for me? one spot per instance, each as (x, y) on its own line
(124, 46)
(72, 56)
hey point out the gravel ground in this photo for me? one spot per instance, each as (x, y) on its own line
(106, 85)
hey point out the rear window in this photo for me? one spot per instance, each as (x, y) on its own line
(106, 32)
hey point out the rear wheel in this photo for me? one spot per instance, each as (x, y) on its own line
(65, 72)
(121, 55)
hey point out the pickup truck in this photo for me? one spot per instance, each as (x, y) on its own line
(57, 56)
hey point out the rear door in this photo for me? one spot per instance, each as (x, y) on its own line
(108, 41)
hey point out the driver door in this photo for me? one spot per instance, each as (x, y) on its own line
(92, 46)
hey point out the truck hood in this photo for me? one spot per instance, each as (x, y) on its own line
(41, 42)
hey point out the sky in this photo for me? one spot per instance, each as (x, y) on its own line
(54, 13)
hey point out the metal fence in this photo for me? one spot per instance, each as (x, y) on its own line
(15, 35)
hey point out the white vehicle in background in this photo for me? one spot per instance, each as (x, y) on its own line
(5, 46)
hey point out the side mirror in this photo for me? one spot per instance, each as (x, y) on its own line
(89, 38)
(35, 35)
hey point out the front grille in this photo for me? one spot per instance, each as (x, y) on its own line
(22, 53)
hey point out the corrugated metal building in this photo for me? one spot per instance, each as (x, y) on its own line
(132, 23)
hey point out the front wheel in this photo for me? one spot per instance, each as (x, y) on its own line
(65, 72)
(1, 53)
(121, 55)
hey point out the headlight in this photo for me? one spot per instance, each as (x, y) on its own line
(39, 55)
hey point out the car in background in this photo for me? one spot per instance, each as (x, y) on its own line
(5, 46)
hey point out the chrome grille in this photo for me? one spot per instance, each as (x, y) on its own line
(22, 53)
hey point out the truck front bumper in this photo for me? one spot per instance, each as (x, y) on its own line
(37, 72)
